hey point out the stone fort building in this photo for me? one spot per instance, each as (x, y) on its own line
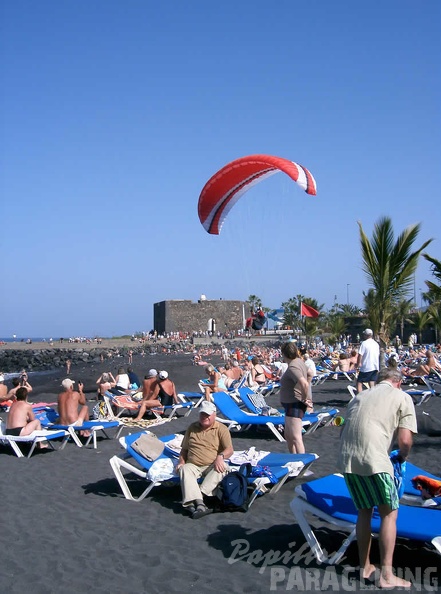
(206, 315)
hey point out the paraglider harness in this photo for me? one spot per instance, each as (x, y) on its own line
(258, 320)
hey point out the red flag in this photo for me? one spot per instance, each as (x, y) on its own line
(308, 311)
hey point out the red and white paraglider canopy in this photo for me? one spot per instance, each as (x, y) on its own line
(225, 187)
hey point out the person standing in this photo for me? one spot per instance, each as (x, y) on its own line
(368, 361)
(294, 396)
(383, 415)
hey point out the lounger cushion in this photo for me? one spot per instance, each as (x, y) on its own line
(331, 496)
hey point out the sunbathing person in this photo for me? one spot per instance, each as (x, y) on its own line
(19, 382)
(165, 390)
(150, 390)
(68, 403)
(257, 372)
(228, 374)
(430, 366)
(21, 419)
(105, 382)
(343, 364)
(149, 384)
(4, 398)
(122, 382)
(3, 388)
(215, 382)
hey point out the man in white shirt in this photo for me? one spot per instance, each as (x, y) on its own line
(368, 361)
(383, 416)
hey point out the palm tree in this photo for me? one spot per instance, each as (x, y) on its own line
(348, 310)
(389, 266)
(255, 302)
(420, 320)
(435, 313)
(371, 310)
(401, 313)
(291, 315)
(336, 326)
(434, 292)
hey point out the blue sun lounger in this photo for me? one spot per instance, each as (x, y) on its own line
(282, 467)
(328, 499)
(48, 418)
(255, 403)
(237, 419)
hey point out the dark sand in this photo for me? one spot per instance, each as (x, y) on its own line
(66, 526)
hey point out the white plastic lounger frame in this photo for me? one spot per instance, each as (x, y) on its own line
(352, 391)
(33, 439)
(300, 507)
(259, 485)
(93, 433)
(119, 462)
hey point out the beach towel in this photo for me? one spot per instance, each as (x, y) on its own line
(161, 470)
(100, 412)
(175, 444)
(251, 455)
(399, 467)
(148, 446)
(429, 487)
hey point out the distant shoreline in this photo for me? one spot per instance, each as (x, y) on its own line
(56, 344)
(129, 343)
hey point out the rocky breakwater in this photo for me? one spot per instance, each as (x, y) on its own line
(51, 358)
(45, 358)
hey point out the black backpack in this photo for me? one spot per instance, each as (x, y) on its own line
(234, 489)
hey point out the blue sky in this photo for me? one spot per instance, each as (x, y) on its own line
(115, 114)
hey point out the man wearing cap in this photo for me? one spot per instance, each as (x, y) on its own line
(68, 403)
(149, 383)
(368, 361)
(205, 447)
(149, 399)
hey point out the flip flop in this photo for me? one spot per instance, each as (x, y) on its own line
(201, 512)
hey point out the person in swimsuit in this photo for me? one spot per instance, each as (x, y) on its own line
(149, 394)
(21, 418)
(215, 382)
(257, 373)
(165, 390)
(72, 406)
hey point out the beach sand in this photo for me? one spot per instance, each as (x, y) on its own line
(66, 526)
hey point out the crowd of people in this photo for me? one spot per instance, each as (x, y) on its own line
(382, 415)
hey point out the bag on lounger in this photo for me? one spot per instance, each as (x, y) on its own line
(148, 446)
(100, 412)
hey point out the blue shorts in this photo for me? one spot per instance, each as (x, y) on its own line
(367, 376)
(295, 409)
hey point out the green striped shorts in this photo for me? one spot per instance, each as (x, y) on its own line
(373, 490)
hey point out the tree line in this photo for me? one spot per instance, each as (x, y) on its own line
(389, 263)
